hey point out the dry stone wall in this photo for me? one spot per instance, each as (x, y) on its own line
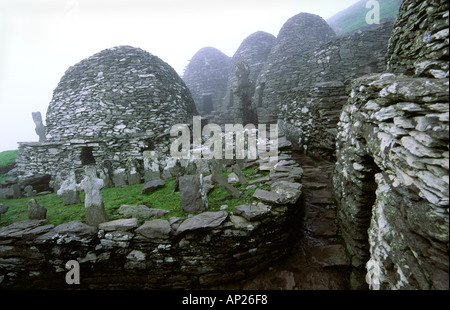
(419, 43)
(391, 178)
(310, 111)
(199, 251)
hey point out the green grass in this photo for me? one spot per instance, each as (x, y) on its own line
(354, 17)
(113, 198)
(6, 158)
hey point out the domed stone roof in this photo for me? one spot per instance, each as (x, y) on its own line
(253, 51)
(206, 75)
(118, 92)
(299, 35)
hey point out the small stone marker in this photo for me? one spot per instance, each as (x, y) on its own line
(36, 211)
(3, 209)
(237, 170)
(69, 190)
(222, 182)
(193, 197)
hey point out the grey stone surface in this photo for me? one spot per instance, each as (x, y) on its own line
(141, 211)
(152, 186)
(250, 212)
(113, 110)
(93, 200)
(40, 128)
(193, 197)
(391, 155)
(157, 229)
(222, 182)
(120, 224)
(206, 77)
(35, 211)
(203, 220)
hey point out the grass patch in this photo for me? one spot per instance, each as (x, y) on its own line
(7, 158)
(164, 198)
(354, 17)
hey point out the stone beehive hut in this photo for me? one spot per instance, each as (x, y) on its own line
(119, 92)
(253, 51)
(298, 36)
(206, 76)
(113, 109)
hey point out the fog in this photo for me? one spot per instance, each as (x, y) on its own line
(40, 40)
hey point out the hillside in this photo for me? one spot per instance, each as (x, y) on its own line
(7, 159)
(354, 17)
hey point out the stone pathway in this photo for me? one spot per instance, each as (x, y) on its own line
(318, 260)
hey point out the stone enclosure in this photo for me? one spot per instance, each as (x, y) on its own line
(200, 251)
(374, 102)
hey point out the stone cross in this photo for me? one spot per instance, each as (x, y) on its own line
(69, 190)
(95, 210)
(40, 128)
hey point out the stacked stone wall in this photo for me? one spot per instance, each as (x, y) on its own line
(309, 112)
(391, 178)
(199, 251)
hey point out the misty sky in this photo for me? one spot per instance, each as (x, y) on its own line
(41, 39)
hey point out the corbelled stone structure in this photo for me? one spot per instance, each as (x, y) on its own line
(309, 112)
(252, 53)
(300, 35)
(113, 110)
(391, 178)
(206, 76)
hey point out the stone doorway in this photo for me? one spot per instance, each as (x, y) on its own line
(87, 156)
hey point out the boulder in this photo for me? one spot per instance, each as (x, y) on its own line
(152, 186)
(39, 182)
(158, 229)
(69, 231)
(203, 220)
(268, 196)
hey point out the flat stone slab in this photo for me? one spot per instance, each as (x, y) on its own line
(76, 229)
(120, 224)
(203, 220)
(270, 197)
(152, 186)
(289, 190)
(222, 182)
(19, 229)
(141, 211)
(155, 229)
(250, 212)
